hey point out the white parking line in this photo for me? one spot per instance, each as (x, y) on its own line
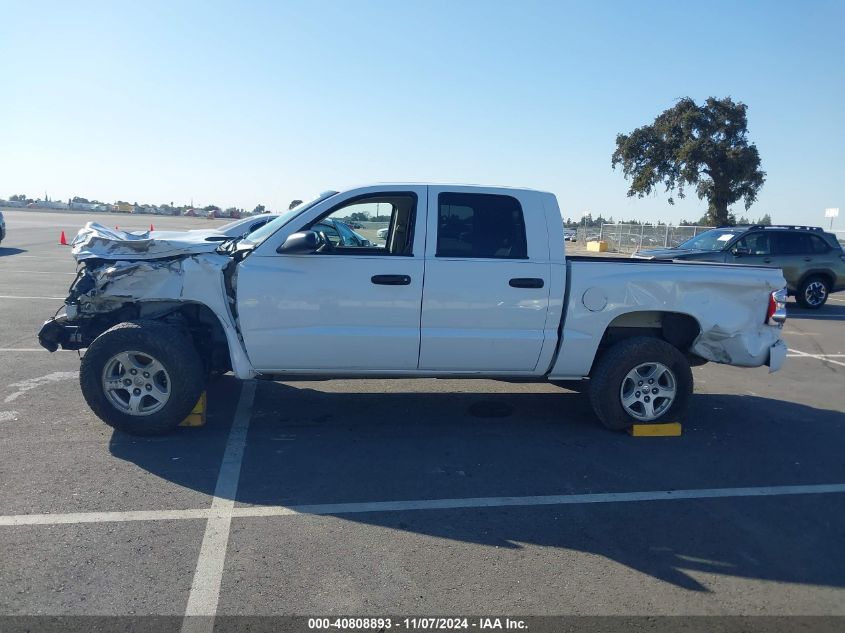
(205, 589)
(39, 272)
(48, 298)
(822, 357)
(545, 500)
(816, 355)
(33, 383)
(29, 256)
(31, 349)
(222, 511)
(73, 518)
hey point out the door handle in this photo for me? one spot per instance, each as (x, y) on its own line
(391, 280)
(526, 282)
(767, 260)
(808, 259)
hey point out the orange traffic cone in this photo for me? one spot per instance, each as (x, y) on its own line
(62, 239)
(152, 228)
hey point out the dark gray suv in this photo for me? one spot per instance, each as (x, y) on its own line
(812, 261)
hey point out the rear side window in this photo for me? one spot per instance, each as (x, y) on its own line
(477, 225)
(818, 245)
(793, 243)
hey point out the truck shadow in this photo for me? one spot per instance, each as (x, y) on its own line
(6, 251)
(316, 446)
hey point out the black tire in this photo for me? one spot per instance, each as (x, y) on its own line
(810, 294)
(170, 347)
(609, 372)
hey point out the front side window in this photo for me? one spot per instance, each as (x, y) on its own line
(475, 225)
(385, 225)
(754, 244)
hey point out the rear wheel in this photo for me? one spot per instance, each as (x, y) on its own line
(813, 292)
(640, 380)
(142, 377)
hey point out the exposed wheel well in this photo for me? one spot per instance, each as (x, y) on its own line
(678, 329)
(197, 319)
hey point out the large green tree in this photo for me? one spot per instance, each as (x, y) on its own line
(690, 145)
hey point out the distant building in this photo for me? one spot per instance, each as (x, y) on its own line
(87, 206)
(47, 204)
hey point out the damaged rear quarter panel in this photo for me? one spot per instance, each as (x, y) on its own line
(728, 302)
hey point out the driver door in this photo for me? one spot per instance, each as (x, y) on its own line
(354, 305)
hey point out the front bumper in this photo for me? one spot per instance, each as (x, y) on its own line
(57, 332)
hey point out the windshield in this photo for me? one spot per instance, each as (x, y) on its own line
(259, 235)
(712, 240)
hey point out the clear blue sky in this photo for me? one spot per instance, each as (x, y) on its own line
(246, 102)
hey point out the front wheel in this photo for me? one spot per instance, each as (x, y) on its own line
(640, 380)
(142, 377)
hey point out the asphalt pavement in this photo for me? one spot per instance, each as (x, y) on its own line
(413, 496)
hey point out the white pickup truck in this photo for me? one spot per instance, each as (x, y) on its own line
(470, 282)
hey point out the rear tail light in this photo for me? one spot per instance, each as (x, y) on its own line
(776, 313)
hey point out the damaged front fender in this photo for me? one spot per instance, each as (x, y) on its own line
(193, 279)
(123, 269)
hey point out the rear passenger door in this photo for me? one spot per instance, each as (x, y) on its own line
(486, 290)
(792, 255)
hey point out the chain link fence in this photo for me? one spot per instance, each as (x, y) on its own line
(627, 238)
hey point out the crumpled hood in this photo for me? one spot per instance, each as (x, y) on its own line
(97, 241)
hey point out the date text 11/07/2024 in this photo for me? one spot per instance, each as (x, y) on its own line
(416, 623)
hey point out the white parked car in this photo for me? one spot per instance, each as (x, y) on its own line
(244, 226)
(237, 228)
(474, 283)
(382, 233)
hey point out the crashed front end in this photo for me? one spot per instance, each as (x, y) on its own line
(106, 290)
(125, 276)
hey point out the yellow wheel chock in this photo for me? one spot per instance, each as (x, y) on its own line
(197, 416)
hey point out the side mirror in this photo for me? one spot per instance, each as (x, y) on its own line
(301, 243)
